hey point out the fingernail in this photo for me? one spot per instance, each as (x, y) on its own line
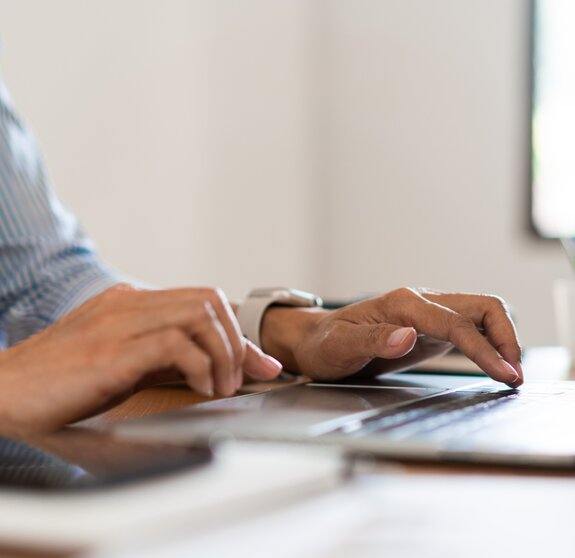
(513, 378)
(207, 388)
(271, 365)
(399, 336)
(519, 370)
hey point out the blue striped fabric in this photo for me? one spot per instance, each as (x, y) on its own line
(47, 263)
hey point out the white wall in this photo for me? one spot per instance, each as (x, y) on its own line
(339, 146)
(177, 130)
(426, 157)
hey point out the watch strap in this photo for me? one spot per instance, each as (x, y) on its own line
(251, 312)
(250, 316)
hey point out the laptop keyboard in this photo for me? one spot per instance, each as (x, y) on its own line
(457, 414)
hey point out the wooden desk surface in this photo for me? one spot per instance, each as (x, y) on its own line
(148, 402)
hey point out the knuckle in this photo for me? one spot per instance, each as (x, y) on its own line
(217, 298)
(464, 323)
(497, 303)
(404, 293)
(398, 302)
(202, 311)
(460, 326)
(211, 294)
(398, 298)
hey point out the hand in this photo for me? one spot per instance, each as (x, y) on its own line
(103, 351)
(393, 332)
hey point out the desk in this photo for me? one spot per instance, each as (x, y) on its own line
(418, 514)
(404, 495)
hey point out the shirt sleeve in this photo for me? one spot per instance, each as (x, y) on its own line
(47, 264)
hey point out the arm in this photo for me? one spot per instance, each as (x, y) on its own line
(47, 264)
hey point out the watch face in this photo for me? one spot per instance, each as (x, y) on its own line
(268, 292)
(310, 298)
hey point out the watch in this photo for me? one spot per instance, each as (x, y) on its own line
(252, 309)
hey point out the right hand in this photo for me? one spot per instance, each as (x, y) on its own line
(102, 352)
(333, 344)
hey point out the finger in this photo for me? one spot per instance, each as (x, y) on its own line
(258, 365)
(369, 341)
(435, 320)
(228, 319)
(490, 313)
(211, 336)
(195, 317)
(225, 315)
(173, 298)
(170, 348)
(425, 348)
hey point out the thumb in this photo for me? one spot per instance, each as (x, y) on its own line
(258, 365)
(382, 340)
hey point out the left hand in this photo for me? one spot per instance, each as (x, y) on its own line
(116, 342)
(396, 331)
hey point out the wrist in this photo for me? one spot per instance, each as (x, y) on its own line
(283, 329)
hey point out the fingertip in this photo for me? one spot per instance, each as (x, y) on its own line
(400, 336)
(270, 366)
(207, 386)
(206, 389)
(516, 383)
(400, 342)
(519, 372)
(259, 365)
(507, 374)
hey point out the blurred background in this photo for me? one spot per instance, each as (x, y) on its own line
(340, 147)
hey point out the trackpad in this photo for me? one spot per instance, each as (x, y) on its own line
(319, 397)
(295, 412)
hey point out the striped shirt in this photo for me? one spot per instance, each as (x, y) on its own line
(47, 263)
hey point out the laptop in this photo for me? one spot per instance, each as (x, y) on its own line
(407, 416)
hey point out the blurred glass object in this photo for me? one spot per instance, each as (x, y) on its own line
(553, 118)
